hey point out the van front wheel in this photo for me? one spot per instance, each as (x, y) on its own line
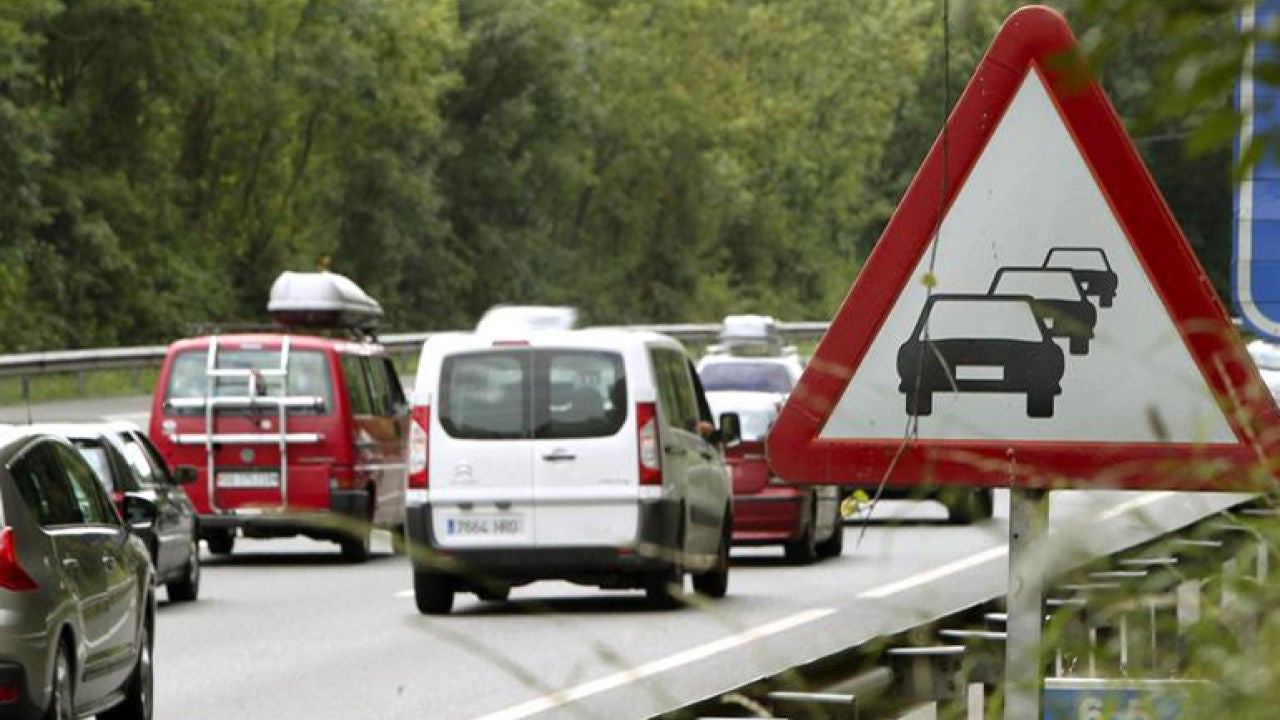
(714, 583)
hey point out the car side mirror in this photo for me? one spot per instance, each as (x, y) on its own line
(185, 474)
(139, 513)
(730, 428)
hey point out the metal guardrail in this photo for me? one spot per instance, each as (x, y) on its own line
(127, 358)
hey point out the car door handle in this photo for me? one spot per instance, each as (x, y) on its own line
(675, 449)
(706, 454)
(559, 456)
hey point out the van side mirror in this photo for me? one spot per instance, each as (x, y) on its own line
(730, 428)
(185, 474)
(139, 513)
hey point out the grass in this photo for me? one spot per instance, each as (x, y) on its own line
(53, 387)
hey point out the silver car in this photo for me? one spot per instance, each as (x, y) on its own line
(77, 599)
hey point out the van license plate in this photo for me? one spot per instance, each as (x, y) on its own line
(483, 526)
(248, 480)
(980, 372)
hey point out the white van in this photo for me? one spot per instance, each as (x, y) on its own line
(583, 455)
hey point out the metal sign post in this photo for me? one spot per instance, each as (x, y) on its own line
(1024, 671)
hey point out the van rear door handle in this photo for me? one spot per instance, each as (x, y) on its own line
(559, 456)
(674, 449)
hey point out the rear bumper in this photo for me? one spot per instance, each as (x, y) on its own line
(24, 707)
(343, 505)
(657, 541)
(772, 516)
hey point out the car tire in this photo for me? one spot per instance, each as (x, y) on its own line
(139, 693)
(714, 583)
(1106, 300)
(804, 549)
(62, 697)
(433, 592)
(834, 545)
(222, 543)
(188, 588)
(967, 507)
(1079, 346)
(355, 549)
(399, 540)
(1039, 404)
(494, 593)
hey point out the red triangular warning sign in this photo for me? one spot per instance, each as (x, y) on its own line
(1032, 313)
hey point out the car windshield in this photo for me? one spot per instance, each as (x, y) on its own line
(1040, 284)
(755, 377)
(1077, 259)
(96, 455)
(543, 394)
(755, 421)
(983, 319)
(308, 376)
(1265, 356)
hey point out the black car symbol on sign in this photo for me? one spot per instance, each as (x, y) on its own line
(980, 343)
(1092, 271)
(1056, 299)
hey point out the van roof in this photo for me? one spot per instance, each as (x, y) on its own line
(273, 340)
(588, 338)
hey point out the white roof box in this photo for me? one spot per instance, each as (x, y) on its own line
(521, 320)
(750, 335)
(321, 299)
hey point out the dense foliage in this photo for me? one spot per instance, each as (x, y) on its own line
(162, 160)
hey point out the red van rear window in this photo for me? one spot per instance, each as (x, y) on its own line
(308, 377)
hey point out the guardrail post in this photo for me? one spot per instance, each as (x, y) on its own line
(1024, 671)
(80, 384)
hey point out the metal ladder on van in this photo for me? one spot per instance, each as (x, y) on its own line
(280, 402)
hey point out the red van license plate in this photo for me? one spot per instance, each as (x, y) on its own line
(248, 480)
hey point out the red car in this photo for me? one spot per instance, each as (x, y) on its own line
(767, 511)
(290, 434)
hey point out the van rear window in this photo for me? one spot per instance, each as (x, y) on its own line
(308, 377)
(533, 394)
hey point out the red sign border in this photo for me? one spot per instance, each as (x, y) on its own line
(1035, 39)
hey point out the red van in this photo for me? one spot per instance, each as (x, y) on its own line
(290, 434)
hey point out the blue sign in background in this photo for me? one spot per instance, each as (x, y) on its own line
(1116, 699)
(1255, 270)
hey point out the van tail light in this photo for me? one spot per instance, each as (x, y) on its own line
(650, 444)
(12, 576)
(419, 427)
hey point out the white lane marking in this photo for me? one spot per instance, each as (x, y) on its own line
(989, 554)
(929, 576)
(701, 652)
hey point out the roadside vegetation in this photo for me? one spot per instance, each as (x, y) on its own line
(674, 160)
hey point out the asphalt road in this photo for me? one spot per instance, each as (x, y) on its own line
(283, 630)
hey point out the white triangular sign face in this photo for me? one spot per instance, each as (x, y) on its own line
(1032, 314)
(1029, 211)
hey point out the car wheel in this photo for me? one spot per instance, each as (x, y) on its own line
(222, 543)
(399, 541)
(714, 583)
(919, 402)
(62, 699)
(970, 506)
(804, 549)
(665, 590)
(834, 545)
(433, 592)
(1079, 346)
(355, 549)
(493, 593)
(1106, 300)
(188, 588)
(138, 694)
(1039, 404)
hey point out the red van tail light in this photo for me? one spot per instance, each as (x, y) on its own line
(12, 576)
(419, 429)
(650, 444)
